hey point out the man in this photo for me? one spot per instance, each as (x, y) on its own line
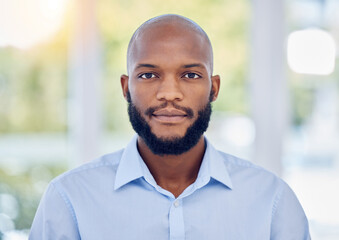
(169, 182)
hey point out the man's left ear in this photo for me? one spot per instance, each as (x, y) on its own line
(215, 86)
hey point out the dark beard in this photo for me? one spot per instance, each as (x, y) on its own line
(176, 145)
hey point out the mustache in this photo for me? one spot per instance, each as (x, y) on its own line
(189, 112)
(149, 111)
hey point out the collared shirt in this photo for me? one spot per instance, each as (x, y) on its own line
(116, 197)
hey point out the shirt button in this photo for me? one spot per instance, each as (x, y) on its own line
(176, 203)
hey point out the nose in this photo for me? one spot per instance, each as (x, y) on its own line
(169, 89)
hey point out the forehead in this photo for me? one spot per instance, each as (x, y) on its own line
(170, 44)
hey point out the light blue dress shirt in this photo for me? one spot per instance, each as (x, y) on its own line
(116, 197)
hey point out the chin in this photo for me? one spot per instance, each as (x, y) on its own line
(169, 137)
(169, 132)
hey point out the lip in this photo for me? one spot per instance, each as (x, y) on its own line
(169, 115)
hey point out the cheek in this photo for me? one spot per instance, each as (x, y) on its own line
(141, 91)
(138, 94)
(141, 101)
(199, 96)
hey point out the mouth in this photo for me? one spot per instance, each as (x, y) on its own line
(169, 115)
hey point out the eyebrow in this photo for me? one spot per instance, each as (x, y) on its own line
(141, 65)
(147, 65)
(193, 65)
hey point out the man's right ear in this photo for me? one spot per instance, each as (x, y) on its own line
(124, 85)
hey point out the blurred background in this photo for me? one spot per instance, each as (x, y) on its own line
(61, 103)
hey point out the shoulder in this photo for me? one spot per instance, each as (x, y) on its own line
(238, 165)
(244, 173)
(253, 180)
(268, 191)
(101, 169)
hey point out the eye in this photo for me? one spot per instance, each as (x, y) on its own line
(147, 75)
(192, 75)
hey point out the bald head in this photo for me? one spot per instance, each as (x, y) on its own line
(168, 27)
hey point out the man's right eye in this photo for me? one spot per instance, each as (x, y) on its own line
(146, 75)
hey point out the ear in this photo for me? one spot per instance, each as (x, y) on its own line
(124, 85)
(215, 86)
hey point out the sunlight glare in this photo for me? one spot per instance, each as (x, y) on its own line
(24, 24)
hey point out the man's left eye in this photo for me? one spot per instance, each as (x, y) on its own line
(191, 75)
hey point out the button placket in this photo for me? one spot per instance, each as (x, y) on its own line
(176, 221)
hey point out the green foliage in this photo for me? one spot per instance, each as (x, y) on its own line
(33, 88)
(27, 188)
(303, 102)
(303, 93)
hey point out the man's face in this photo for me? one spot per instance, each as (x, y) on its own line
(170, 81)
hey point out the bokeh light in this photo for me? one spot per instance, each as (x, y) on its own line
(311, 51)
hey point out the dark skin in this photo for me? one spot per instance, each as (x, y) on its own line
(171, 62)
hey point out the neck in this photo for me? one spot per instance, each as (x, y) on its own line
(173, 172)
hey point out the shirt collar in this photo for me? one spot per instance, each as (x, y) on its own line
(130, 166)
(216, 165)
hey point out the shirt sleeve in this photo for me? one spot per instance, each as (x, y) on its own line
(289, 221)
(55, 218)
